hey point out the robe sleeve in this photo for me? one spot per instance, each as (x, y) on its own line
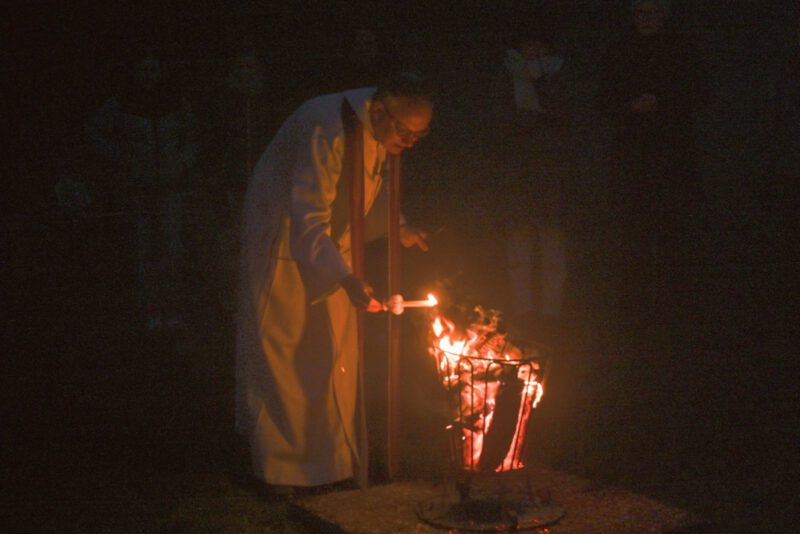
(316, 172)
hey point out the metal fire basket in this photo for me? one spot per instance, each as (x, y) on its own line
(491, 392)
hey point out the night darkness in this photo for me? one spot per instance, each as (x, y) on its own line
(111, 428)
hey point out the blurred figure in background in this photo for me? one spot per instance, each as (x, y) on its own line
(241, 119)
(532, 156)
(651, 82)
(531, 68)
(147, 132)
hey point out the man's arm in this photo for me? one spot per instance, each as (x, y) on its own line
(317, 171)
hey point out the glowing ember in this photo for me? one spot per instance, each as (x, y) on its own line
(493, 386)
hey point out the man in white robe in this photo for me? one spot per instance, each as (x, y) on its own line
(296, 362)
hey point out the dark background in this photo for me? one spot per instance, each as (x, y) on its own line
(91, 408)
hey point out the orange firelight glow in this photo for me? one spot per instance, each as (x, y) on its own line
(478, 366)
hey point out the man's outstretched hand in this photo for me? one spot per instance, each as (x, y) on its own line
(410, 237)
(359, 292)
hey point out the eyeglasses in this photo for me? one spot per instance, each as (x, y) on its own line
(405, 133)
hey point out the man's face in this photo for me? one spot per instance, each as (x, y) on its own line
(648, 18)
(399, 122)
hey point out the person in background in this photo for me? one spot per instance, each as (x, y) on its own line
(147, 132)
(241, 119)
(651, 81)
(531, 67)
(296, 354)
(533, 163)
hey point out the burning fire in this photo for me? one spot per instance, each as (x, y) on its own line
(493, 387)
